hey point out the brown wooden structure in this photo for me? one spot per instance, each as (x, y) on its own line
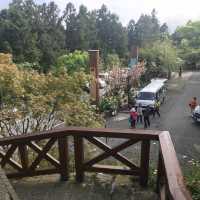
(170, 183)
(94, 71)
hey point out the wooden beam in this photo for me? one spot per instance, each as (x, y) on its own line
(23, 152)
(8, 154)
(11, 162)
(63, 158)
(111, 152)
(160, 173)
(79, 158)
(47, 156)
(33, 173)
(144, 163)
(43, 153)
(79, 131)
(107, 169)
(174, 177)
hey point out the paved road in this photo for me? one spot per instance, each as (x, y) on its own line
(175, 117)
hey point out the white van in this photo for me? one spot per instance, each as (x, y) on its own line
(156, 90)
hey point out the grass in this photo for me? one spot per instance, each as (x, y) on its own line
(192, 178)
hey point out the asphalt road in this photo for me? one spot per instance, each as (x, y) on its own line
(176, 117)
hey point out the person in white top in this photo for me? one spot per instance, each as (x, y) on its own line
(139, 111)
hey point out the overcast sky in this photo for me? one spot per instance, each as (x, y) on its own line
(174, 12)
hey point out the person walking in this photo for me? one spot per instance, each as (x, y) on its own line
(139, 111)
(192, 104)
(133, 117)
(146, 113)
(156, 109)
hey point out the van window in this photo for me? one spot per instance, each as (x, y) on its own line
(146, 96)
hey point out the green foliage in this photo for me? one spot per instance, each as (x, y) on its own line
(29, 66)
(112, 61)
(73, 62)
(192, 177)
(108, 104)
(161, 57)
(40, 34)
(187, 40)
(32, 33)
(33, 102)
(110, 32)
(96, 29)
(146, 31)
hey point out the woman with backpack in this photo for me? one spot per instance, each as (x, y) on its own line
(133, 117)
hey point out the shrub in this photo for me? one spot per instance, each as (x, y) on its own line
(192, 177)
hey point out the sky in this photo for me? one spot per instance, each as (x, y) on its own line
(174, 12)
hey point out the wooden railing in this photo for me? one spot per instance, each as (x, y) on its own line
(170, 183)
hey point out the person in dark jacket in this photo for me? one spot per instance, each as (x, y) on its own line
(146, 114)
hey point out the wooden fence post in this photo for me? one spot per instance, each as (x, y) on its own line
(144, 162)
(63, 157)
(159, 172)
(23, 152)
(79, 158)
(93, 63)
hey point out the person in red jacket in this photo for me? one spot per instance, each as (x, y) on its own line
(133, 117)
(193, 104)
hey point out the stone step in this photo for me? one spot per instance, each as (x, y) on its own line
(100, 187)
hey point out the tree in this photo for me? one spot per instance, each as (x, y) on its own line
(33, 33)
(112, 61)
(16, 33)
(73, 62)
(145, 31)
(132, 37)
(51, 40)
(110, 32)
(33, 102)
(187, 41)
(71, 23)
(161, 58)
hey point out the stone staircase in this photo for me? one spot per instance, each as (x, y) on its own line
(98, 187)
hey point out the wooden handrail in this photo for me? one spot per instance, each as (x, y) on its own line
(81, 131)
(175, 181)
(169, 172)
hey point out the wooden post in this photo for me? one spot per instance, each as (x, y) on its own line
(94, 62)
(23, 152)
(79, 158)
(159, 173)
(63, 157)
(144, 162)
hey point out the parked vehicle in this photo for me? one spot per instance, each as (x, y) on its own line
(196, 114)
(154, 91)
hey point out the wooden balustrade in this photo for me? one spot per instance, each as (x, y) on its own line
(170, 183)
